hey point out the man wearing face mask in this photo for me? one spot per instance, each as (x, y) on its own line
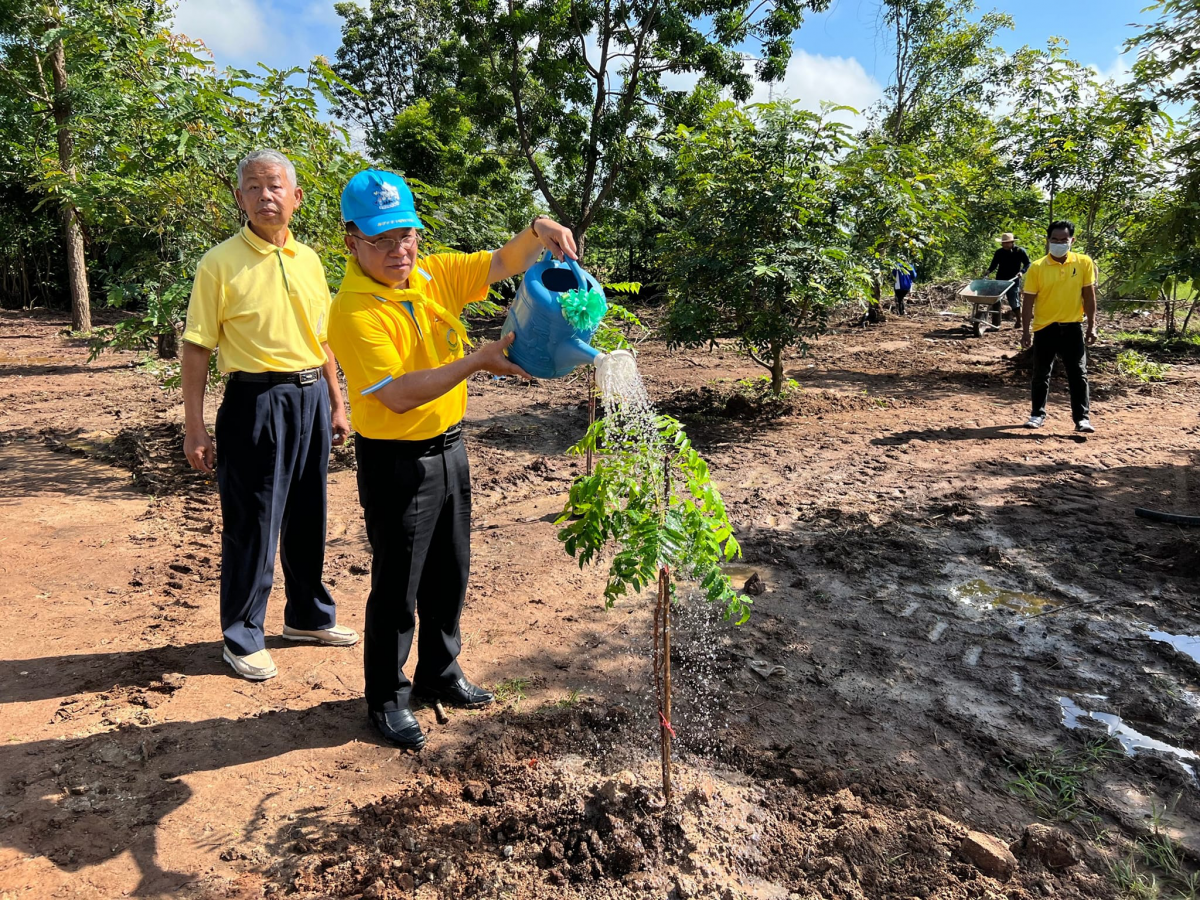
(396, 329)
(1059, 295)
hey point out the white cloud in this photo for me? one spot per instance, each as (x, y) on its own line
(812, 79)
(679, 81)
(1119, 71)
(231, 29)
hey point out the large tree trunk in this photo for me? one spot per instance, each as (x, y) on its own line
(776, 370)
(81, 312)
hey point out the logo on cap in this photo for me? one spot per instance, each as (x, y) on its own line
(387, 196)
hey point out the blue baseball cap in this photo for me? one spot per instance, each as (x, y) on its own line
(377, 201)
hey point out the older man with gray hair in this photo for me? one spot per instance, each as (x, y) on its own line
(260, 300)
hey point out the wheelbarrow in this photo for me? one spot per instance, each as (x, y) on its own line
(983, 294)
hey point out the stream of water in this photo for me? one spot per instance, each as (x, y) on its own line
(700, 691)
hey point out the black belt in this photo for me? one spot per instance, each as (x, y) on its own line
(306, 377)
(428, 447)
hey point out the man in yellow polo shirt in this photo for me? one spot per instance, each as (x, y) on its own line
(396, 329)
(261, 300)
(1059, 292)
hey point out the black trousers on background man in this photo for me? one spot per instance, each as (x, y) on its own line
(272, 461)
(1013, 296)
(1064, 340)
(416, 497)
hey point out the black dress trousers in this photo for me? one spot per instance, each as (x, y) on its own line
(273, 445)
(416, 497)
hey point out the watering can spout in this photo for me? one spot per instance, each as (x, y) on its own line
(574, 352)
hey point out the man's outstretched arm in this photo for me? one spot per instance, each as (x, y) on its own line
(523, 250)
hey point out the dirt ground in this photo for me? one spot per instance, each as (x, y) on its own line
(957, 614)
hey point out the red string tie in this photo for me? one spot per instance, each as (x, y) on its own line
(665, 724)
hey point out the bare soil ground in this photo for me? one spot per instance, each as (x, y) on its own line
(945, 594)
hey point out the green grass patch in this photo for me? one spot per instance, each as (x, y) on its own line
(572, 699)
(1136, 366)
(1157, 342)
(1054, 783)
(1132, 883)
(1154, 870)
(511, 690)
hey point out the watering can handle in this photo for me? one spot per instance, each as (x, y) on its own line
(577, 272)
(573, 265)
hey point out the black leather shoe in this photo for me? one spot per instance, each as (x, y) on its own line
(460, 693)
(398, 727)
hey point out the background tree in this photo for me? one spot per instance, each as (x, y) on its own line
(900, 210)
(940, 107)
(1167, 55)
(33, 59)
(482, 191)
(1050, 134)
(388, 61)
(945, 62)
(157, 134)
(759, 254)
(577, 84)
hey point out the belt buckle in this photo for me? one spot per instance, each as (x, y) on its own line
(309, 377)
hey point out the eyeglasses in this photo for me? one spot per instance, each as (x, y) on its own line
(387, 245)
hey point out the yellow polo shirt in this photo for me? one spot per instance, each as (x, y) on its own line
(1059, 288)
(262, 308)
(376, 341)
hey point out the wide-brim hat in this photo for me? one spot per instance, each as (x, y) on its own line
(377, 201)
(1006, 237)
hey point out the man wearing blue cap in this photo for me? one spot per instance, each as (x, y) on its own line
(396, 330)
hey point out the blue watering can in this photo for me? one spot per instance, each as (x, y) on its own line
(547, 345)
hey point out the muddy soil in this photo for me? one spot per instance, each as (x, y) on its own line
(953, 607)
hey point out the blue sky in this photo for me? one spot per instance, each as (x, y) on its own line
(840, 55)
(1096, 30)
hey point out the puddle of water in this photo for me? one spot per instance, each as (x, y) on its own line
(1130, 739)
(739, 573)
(1184, 643)
(979, 593)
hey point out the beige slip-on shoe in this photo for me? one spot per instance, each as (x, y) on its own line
(258, 666)
(337, 636)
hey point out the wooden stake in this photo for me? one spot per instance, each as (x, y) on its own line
(662, 673)
(591, 392)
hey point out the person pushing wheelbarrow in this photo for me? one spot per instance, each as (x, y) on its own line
(1010, 263)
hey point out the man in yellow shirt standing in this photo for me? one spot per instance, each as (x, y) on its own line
(261, 300)
(1060, 291)
(395, 327)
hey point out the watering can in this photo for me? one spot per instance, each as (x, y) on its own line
(547, 345)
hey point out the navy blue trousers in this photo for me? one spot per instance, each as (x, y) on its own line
(273, 445)
(416, 497)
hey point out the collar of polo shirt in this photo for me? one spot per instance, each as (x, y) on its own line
(265, 247)
(1071, 257)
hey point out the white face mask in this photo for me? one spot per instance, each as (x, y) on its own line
(1060, 249)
